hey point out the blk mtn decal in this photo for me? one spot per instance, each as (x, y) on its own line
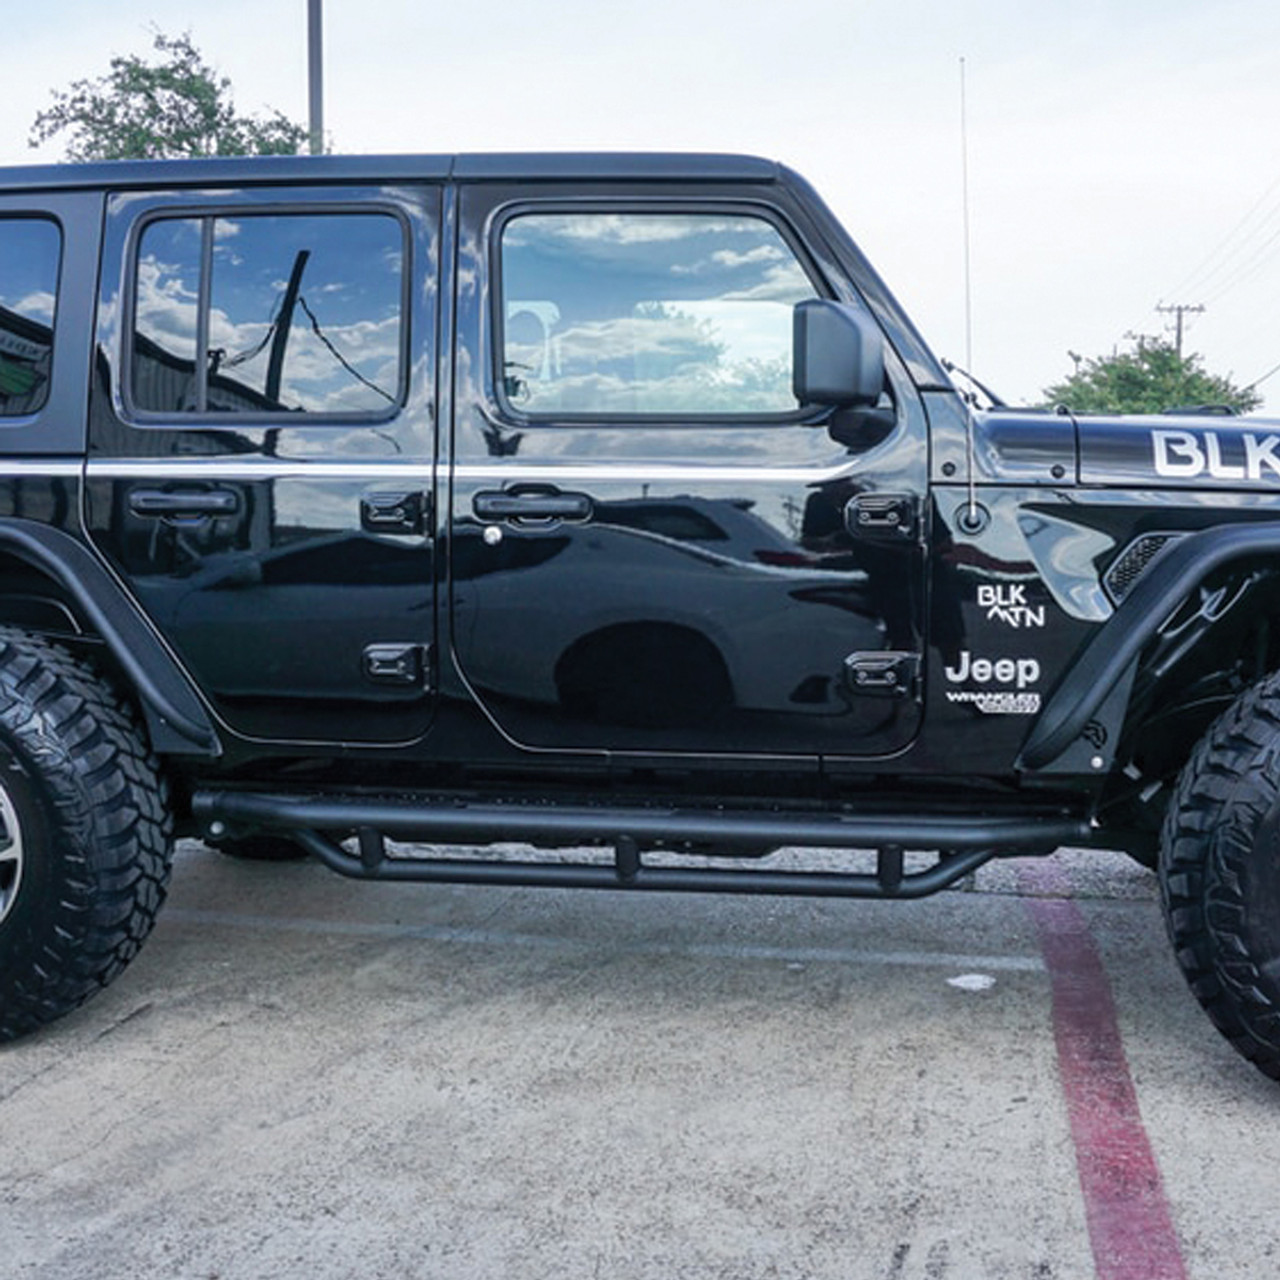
(1008, 604)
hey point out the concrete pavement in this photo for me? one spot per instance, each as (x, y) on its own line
(302, 1076)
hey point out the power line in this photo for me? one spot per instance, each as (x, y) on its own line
(1242, 271)
(1257, 382)
(1237, 244)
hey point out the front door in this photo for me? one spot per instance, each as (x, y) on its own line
(653, 547)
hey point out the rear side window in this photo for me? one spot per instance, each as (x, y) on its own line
(647, 314)
(30, 253)
(298, 313)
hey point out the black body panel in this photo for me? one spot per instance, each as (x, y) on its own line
(440, 575)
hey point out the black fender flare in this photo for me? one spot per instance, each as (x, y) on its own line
(1116, 645)
(175, 714)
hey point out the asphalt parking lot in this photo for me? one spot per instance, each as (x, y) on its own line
(306, 1077)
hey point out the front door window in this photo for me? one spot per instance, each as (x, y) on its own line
(638, 314)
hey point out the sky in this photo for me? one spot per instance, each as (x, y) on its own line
(1120, 155)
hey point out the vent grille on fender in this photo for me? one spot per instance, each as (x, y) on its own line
(1134, 561)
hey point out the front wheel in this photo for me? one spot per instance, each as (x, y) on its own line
(86, 844)
(1220, 874)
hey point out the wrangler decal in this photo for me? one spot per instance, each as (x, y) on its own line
(993, 703)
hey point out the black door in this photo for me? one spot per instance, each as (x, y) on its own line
(261, 449)
(653, 547)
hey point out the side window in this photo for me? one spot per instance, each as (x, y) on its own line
(30, 252)
(647, 314)
(269, 313)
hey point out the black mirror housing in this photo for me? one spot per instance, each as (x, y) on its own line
(838, 354)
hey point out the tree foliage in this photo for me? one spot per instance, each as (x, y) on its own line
(175, 106)
(1151, 379)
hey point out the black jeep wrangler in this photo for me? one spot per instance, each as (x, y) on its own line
(587, 501)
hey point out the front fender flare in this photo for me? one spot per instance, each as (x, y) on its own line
(1116, 645)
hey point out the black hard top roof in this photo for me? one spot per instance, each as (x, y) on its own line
(478, 167)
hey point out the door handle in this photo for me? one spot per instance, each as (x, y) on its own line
(190, 502)
(541, 504)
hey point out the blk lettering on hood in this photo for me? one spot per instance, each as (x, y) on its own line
(1186, 455)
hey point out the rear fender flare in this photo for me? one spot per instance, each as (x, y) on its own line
(175, 715)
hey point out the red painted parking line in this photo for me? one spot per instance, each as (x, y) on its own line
(1130, 1227)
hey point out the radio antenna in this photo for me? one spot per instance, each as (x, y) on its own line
(964, 198)
(971, 521)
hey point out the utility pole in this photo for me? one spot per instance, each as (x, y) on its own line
(1179, 310)
(315, 76)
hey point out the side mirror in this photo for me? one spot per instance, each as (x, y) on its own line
(838, 354)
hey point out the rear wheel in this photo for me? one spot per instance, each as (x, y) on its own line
(86, 845)
(1220, 874)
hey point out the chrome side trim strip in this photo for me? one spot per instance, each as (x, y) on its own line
(277, 469)
(260, 469)
(23, 467)
(657, 472)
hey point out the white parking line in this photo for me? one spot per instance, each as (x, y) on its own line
(533, 941)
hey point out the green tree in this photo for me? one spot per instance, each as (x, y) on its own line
(175, 106)
(1150, 379)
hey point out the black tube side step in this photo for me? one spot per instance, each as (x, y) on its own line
(565, 825)
(961, 844)
(624, 874)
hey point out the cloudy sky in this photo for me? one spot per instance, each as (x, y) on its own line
(1121, 155)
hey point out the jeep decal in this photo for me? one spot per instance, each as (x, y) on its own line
(1019, 672)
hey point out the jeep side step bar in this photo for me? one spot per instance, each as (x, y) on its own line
(319, 823)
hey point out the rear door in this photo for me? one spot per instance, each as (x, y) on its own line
(262, 436)
(653, 547)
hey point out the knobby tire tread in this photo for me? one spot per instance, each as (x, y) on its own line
(1230, 784)
(108, 810)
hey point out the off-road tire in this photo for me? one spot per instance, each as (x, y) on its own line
(1220, 874)
(88, 865)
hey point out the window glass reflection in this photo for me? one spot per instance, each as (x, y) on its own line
(30, 251)
(300, 313)
(659, 314)
(166, 311)
(306, 311)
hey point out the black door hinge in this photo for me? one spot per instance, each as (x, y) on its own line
(884, 516)
(403, 512)
(884, 674)
(399, 664)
